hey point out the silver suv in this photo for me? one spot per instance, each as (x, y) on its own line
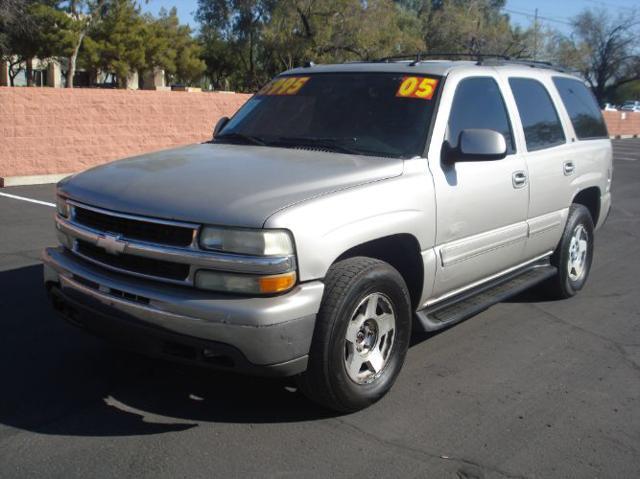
(340, 209)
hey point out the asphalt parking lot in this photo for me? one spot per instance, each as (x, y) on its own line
(528, 389)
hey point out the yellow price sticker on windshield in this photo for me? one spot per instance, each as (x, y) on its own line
(284, 86)
(417, 87)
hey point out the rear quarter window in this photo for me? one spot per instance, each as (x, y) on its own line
(582, 108)
(540, 122)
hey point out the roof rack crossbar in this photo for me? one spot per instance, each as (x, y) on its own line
(527, 62)
(487, 59)
(418, 56)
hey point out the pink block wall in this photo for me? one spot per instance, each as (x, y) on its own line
(56, 130)
(622, 123)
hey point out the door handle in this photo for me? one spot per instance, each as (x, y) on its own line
(568, 167)
(519, 179)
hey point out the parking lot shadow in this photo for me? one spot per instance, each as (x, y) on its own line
(56, 379)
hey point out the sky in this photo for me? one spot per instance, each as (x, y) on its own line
(555, 13)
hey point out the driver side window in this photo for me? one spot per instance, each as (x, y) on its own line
(478, 103)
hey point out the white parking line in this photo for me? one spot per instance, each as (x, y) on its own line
(30, 200)
(626, 159)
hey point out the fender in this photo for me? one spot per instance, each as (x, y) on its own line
(327, 226)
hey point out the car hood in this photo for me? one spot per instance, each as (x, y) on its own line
(233, 185)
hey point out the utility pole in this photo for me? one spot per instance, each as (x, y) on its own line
(535, 35)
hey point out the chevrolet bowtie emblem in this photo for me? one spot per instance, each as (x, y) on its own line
(112, 244)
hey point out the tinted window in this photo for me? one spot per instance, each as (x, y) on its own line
(582, 108)
(542, 127)
(478, 103)
(378, 114)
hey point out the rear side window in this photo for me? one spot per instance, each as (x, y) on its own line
(542, 127)
(582, 108)
(478, 103)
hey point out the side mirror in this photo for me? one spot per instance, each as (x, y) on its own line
(220, 125)
(479, 145)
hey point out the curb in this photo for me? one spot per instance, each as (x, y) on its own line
(31, 180)
(622, 137)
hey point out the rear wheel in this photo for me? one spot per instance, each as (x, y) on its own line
(361, 337)
(574, 254)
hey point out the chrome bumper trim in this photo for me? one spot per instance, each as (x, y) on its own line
(195, 258)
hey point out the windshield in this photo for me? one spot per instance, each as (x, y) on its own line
(379, 114)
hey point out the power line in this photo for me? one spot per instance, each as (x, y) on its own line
(539, 17)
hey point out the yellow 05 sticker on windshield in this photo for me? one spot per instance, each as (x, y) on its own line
(417, 87)
(284, 86)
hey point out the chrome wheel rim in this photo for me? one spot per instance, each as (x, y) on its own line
(369, 338)
(578, 249)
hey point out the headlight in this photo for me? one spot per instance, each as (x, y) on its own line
(252, 242)
(62, 206)
(245, 284)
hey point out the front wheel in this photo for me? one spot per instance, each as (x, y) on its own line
(361, 336)
(574, 254)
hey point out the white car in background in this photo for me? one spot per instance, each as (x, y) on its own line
(631, 106)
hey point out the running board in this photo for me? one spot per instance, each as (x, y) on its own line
(470, 303)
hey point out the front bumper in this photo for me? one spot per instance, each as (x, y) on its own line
(265, 336)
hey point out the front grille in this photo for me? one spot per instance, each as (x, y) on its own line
(111, 291)
(134, 264)
(159, 233)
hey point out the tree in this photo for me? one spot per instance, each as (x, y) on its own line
(83, 14)
(14, 22)
(189, 64)
(471, 27)
(116, 43)
(170, 46)
(605, 49)
(220, 62)
(19, 36)
(48, 29)
(239, 24)
(628, 91)
(160, 51)
(55, 34)
(332, 31)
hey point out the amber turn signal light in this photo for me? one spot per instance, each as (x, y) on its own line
(277, 283)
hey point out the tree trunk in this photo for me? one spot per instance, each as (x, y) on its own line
(71, 63)
(251, 66)
(14, 73)
(71, 71)
(29, 71)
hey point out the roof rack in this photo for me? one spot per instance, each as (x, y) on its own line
(419, 56)
(486, 59)
(526, 62)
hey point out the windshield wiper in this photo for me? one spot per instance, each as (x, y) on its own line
(235, 136)
(333, 144)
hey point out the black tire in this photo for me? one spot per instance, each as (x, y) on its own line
(562, 286)
(348, 283)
